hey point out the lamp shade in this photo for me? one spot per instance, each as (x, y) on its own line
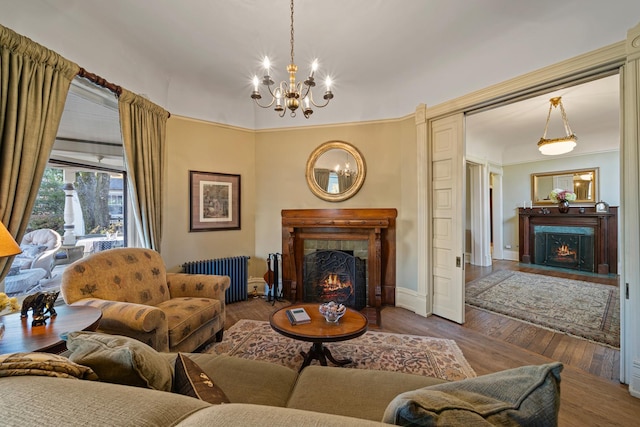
(553, 147)
(8, 245)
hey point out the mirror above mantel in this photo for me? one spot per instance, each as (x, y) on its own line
(583, 182)
(335, 171)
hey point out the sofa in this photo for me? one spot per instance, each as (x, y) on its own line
(110, 380)
(169, 311)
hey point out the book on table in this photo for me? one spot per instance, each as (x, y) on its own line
(298, 316)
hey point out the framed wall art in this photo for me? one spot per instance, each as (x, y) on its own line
(214, 201)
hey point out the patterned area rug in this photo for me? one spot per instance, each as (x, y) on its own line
(575, 307)
(436, 357)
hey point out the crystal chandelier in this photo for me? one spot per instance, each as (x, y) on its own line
(346, 170)
(553, 147)
(291, 94)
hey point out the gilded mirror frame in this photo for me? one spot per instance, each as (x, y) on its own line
(543, 183)
(355, 186)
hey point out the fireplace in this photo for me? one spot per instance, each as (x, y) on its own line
(581, 239)
(374, 228)
(335, 275)
(565, 247)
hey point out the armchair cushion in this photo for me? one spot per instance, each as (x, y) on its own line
(185, 315)
(120, 360)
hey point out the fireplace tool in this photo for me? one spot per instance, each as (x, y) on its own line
(272, 278)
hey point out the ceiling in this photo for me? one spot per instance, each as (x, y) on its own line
(196, 58)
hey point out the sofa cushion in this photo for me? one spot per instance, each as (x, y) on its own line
(43, 364)
(244, 380)
(359, 393)
(190, 380)
(529, 395)
(238, 414)
(120, 360)
(31, 401)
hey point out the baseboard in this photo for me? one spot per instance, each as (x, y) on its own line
(412, 301)
(511, 255)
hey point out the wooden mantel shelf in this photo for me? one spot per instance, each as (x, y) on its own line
(377, 226)
(605, 225)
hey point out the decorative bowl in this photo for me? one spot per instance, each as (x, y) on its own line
(332, 311)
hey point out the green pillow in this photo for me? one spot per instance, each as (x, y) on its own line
(529, 396)
(120, 360)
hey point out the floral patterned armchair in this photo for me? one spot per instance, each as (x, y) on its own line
(173, 312)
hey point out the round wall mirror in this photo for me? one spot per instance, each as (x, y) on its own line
(335, 171)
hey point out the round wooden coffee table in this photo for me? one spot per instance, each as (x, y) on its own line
(20, 336)
(319, 331)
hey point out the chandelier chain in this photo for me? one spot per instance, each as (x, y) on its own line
(292, 31)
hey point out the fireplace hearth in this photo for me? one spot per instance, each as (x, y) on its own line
(335, 275)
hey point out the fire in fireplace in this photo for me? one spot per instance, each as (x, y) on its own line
(334, 275)
(565, 247)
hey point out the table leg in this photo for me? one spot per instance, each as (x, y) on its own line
(321, 353)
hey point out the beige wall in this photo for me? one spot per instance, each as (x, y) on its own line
(201, 146)
(272, 165)
(388, 148)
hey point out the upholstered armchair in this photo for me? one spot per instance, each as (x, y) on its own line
(173, 312)
(38, 250)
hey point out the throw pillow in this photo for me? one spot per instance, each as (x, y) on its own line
(190, 380)
(529, 395)
(31, 251)
(120, 360)
(43, 364)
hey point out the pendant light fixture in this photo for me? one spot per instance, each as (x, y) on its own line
(555, 146)
(291, 95)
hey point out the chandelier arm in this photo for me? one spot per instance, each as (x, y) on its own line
(319, 105)
(273, 99)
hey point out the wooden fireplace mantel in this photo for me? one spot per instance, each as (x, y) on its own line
(605, 225)
(377, 226)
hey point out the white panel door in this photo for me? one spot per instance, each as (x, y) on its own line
(447, 208)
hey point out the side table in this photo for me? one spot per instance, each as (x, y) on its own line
(352, 325)
(20, 336)
(68, 254)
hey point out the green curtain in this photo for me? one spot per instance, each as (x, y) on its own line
(34, 82)
(143, 125)
(322, 178)
(344, 182)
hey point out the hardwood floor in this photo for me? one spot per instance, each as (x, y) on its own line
(492, 343)
(596, 359)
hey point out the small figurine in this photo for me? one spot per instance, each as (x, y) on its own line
(42, 306)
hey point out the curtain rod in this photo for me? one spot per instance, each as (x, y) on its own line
(102, 82)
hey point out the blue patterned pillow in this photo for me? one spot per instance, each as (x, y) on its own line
(31, 251)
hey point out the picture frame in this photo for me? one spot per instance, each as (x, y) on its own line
(214, 201)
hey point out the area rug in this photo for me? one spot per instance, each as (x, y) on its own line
(435, 357)
(575, 307)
